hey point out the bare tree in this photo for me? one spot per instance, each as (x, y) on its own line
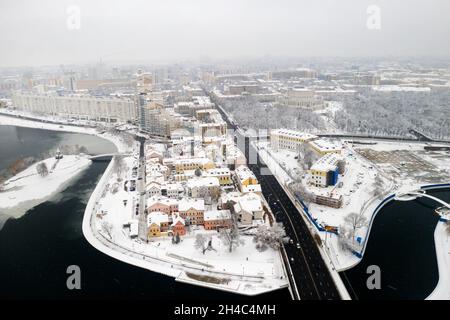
(269, 236)
(355, 221)
(107, 228)
(42, 169)
(230, 237)
(200, 242)
(378, 186)
(300, 191)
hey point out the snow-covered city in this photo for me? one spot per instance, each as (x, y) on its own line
(229, 163)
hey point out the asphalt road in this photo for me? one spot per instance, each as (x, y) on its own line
(309, 272)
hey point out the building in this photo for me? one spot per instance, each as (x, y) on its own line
(289, 139)
(157, 224)
(223, 174)
(192, 210)
(203, 187)
(153, 118)
(248, 208)
(81, 107)
(245, 177)
(178, 225)
(217, 219)
(302, 98)
(322, 146)
(184, 164)
(162, 204)
(325, 171)
(331, 200)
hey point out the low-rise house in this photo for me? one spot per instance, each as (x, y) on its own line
(223, 174)
(163, 204)
(155, 169)
(244, 177)
(153, 188)
(249, 208)
(217, 219)
(172, 190)
(204, 187)
(178, 225)
(192, 210)
(157, 224)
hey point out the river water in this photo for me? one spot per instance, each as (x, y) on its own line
(36, 249)
(401, 243)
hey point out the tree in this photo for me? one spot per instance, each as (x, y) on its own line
(107, 228)
(355, 221)
(230, 237)
(119, 167)
(198, 172)
(300, 191)
(200, 241)
(378, 186)
(269, 236)
(42, 169)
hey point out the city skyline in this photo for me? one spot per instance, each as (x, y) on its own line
(74, 32)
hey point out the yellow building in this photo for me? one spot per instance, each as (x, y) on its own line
(182, 165)
(223, 174)
(245, 177)
(289, 139)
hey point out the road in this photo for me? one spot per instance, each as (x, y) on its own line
(310, 275)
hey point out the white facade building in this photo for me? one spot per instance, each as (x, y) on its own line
(83, 107)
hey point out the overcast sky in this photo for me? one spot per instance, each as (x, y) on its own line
(36, 33)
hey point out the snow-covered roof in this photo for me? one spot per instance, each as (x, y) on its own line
(216, 215)
(189, 203)
(203, 182)
(160, 199)
(293, 134)
(219, 171)
(244, 173)
(249, 204)
(176, 219)
(325, 145)
(251, 188)
(327, 163)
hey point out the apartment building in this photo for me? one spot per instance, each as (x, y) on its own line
(82, 107)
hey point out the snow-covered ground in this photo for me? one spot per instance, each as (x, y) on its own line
(359, 168)
(28, 189)
(245, 270)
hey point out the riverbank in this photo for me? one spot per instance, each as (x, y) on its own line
(14, 120)
(28, 189)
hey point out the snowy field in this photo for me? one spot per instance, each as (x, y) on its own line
(27, 189)
(400, 175)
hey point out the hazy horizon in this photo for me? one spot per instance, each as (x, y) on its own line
(136, 31)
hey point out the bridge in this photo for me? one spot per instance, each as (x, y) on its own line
(443, 211)
(106, 156)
